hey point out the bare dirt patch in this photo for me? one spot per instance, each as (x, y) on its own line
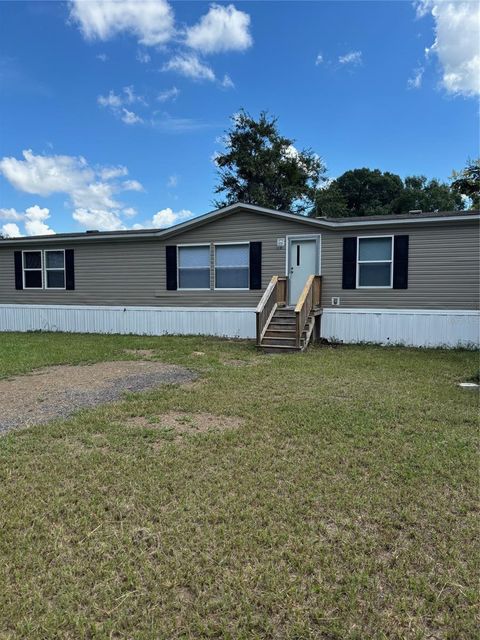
(57, 392)
(179, 423)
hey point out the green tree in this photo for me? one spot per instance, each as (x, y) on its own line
(259, 166)
(330, 202)
(426, 195)
(369, 192)
(467, 182)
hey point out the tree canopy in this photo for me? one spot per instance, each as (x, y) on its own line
(426, 195)
(259, 166)
(467, 182)
(369, 192)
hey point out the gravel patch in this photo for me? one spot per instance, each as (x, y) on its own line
(57, 392)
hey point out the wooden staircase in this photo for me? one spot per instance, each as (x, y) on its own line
(281, 329)
(281, 333)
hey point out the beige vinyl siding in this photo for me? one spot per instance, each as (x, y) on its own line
(443, 267)
(133, 272)
(106, 273)
(241, 227)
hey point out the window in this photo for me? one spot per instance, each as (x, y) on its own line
(232, 266)
(194, 267)
(55, 269)
(32, 270)
(375, 259)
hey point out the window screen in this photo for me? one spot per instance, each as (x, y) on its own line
(55, 269)
(32, 270)
(232, 266)
(194, 267)
(375, 262)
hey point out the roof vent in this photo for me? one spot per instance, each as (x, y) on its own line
(91, 231)
(415, 211)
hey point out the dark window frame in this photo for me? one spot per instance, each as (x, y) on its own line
(29, 269)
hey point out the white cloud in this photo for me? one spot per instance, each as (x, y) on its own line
(95, 195)
(100, 219)
(150, 21)
(190, 66)
(131, 97)
(115, 102)
(10, 230)
(415, 82)
(107, 173)
(456, 45)
(44, 175)
(111, 100)
(132, 185)
(353, 57)
(167, 217)
(172, 182)
(10, 214)
(227, 82)
(223, 28)
(319, 59)
(167, 124)
(143, 57)
(102, 57)
(35, 221)
(169, 94)
(91, 191)
(129, 117)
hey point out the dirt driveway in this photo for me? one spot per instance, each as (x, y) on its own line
(57, 392)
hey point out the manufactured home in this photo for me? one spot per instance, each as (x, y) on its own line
(249, 272)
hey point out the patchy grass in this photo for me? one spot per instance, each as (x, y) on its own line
(342, 506)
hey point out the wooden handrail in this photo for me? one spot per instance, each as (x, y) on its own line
(266, 294)
(304, 294)
(274, 295)
(309, 298)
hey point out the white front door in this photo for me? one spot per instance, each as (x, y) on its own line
(303, 261)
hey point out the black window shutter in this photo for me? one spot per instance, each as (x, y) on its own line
(171, 257)
(18, 270)
(400, 262)
(255, 265)
(349, 271)
(69, 269)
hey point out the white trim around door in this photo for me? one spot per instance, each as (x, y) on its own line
(290, 240)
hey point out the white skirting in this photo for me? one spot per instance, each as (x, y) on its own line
(413, 327)
(152, 321)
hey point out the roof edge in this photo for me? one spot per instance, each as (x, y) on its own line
(327, 223)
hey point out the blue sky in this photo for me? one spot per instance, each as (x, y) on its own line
(111, 113)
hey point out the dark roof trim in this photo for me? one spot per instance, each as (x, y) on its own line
(325, 223)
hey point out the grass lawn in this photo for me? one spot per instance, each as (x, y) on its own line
(343, 507)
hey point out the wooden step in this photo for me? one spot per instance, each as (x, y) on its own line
(280, 326)
(288, 342)
(273, 332)
(279, 348)
(283, 320)
(285, 313)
